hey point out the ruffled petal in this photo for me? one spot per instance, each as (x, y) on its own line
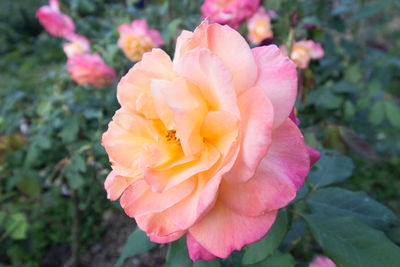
(278, 77)
(115, 185)
(167, 239)
(157, 225)
(196, 251)
(163, 178)
(211, 76)
(234, 51)
(280, 174)
(139, 199)
(222, 230)
(257, 119)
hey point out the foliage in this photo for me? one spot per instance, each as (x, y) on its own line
(52, 166)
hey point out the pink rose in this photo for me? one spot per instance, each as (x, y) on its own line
(231, 12)
(90, 69)
(322, 261)
(304, 51)
(203, 146)
(78, 45)
(55, 23)
(137, 39)
(259, 27)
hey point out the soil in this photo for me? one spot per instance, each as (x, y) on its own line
(106, 251)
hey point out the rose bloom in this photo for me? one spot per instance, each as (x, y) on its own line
(259, 27)
(90, 69)
(55, 23)
(78, 45)
(137, 38)
(304, 51)
(322, 261)
(231, 12)
(203, 145)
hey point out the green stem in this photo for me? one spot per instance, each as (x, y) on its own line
(289, 43)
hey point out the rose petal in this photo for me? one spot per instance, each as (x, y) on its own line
(167, 239)
(157, 225)
(211, 76)
(234, 51)
(196, 251)
(115, 185)
(139, 199)
(278, 77)
(276, 180)
(257, 119)
(222, 230)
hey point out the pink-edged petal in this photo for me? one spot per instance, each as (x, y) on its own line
(196, 251)
(139, 199)
(293, 117)
(257, 120)
(314, 155)
(276, 181)
(222, 230)
(234, 51)
(278, 77)
(115, 185)
(211, 76)
(157, 224)
(162, 179)
(167, 239)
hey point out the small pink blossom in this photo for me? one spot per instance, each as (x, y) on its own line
(78, 45)
(230, 12)
(90, 69)
(322, 261)
(55, 23)
(136, 39)
(303, 52)
(259, 26)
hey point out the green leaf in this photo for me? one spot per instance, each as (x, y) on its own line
(177, 255)
(16, 226)
(377, 113)
(70, 130)
(394, 234)
(137, 243)
(264, 248)
(340, 202)
(350, 242)
(393, 114)
(331, 168)
(27, 183)
(278, 259)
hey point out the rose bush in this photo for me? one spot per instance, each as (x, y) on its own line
(203, 145)
(77, 44)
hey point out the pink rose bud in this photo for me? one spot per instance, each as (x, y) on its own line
(304, 51)
(230, 12)
(203, 144)
(78, 45)
(55, 23)
(90, 69)
(259, 27)
(322, 261)
(137, 39)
